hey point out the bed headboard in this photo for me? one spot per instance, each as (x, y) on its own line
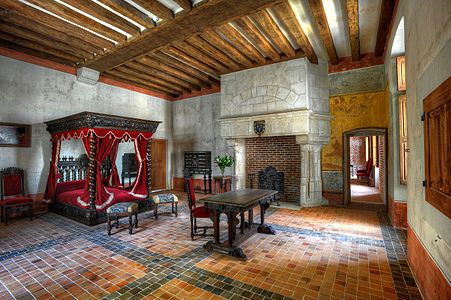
(71, 168)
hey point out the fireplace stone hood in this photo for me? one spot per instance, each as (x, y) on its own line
(292, 98)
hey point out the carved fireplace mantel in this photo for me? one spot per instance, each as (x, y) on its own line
(312, 131)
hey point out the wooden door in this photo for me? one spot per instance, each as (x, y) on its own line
(437, 146)
(158, 164)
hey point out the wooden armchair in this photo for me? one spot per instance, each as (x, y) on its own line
(196, 212)
(12, 194)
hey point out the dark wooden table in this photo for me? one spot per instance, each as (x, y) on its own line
(232, 204)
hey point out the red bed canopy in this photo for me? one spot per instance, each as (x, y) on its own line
(101, 135)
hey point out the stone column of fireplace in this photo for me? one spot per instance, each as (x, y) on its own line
(311, 182)
(239, 148)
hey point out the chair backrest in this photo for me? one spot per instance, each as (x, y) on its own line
(11, 182)
(189, 187)
(369, 167)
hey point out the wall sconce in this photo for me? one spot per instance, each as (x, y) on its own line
(259, 127)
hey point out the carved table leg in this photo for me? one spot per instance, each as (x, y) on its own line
(242, 222)
(230, 229)
(251, 218)
(263, 228)
(216, 227)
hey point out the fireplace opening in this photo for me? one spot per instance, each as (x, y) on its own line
(274, 163)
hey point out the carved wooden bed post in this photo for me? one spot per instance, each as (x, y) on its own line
(92, 175)
(149, 166)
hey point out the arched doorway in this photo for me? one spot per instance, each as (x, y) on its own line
(376, 138)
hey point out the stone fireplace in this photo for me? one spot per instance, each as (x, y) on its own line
(292, 99)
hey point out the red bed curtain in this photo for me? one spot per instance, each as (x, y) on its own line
(114, 176)
(140, 188)
(53, 172)
(103, 148)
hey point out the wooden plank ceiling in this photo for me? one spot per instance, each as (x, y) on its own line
(175, 47)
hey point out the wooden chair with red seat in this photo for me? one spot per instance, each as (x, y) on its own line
(12, 194)
(365, 174)
(196, 212)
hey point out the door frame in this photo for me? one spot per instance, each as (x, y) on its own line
(365, 131)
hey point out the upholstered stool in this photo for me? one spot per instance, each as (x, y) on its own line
(120, 210)
(165, 199)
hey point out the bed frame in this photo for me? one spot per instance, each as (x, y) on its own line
(77, 169)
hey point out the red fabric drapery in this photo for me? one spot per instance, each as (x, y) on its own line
(102, 150)
(140, 187)
(114, 175)
(102, 133)
(53, 172)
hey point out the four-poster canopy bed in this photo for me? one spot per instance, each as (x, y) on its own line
(87, 200)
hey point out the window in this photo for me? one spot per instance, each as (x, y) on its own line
(437, 147)
(403, 150)
(401, 72)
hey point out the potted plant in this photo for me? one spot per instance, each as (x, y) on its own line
(223, 162)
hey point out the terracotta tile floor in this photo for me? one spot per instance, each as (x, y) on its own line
(317, 253)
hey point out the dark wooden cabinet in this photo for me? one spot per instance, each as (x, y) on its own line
(199, 163)
(437, 147)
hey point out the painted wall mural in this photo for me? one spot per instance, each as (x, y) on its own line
(351, 112)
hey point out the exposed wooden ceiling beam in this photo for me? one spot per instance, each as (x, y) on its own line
(150, 78)
(162, 75)
(154, 63)
(101, 13)
(286, 14)
(156, 8)
(22, 10)
(271, 28)
(182, 66)
(324, 30)
(185, 4)
(240, 42)
(139, 77)
(215, 39)
(129, 11)
(33, 52)
(387, 10)
(352, 7)
(39, 47)
(209, 15)
(117, 76)
(44, 40)
(214, 52)
(79, 19)
(201, 56)
(258, 38)
(16, 19)
(191, 60)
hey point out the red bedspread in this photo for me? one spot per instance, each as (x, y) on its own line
(70, 192)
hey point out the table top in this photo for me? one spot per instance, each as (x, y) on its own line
(240, 198)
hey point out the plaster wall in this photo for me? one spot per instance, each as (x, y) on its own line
(428, 56)
(196, 128)
(31, 94)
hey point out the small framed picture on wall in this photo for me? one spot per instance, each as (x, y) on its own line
(15, 135)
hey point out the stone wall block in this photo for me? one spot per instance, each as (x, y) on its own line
(271, 90)
(298, 88)
(246, 94)
(261, 90)
(291, 98)
(282, 93)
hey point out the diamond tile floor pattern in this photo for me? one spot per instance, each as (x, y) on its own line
(317, 253)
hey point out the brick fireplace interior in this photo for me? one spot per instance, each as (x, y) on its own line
(284, 154)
